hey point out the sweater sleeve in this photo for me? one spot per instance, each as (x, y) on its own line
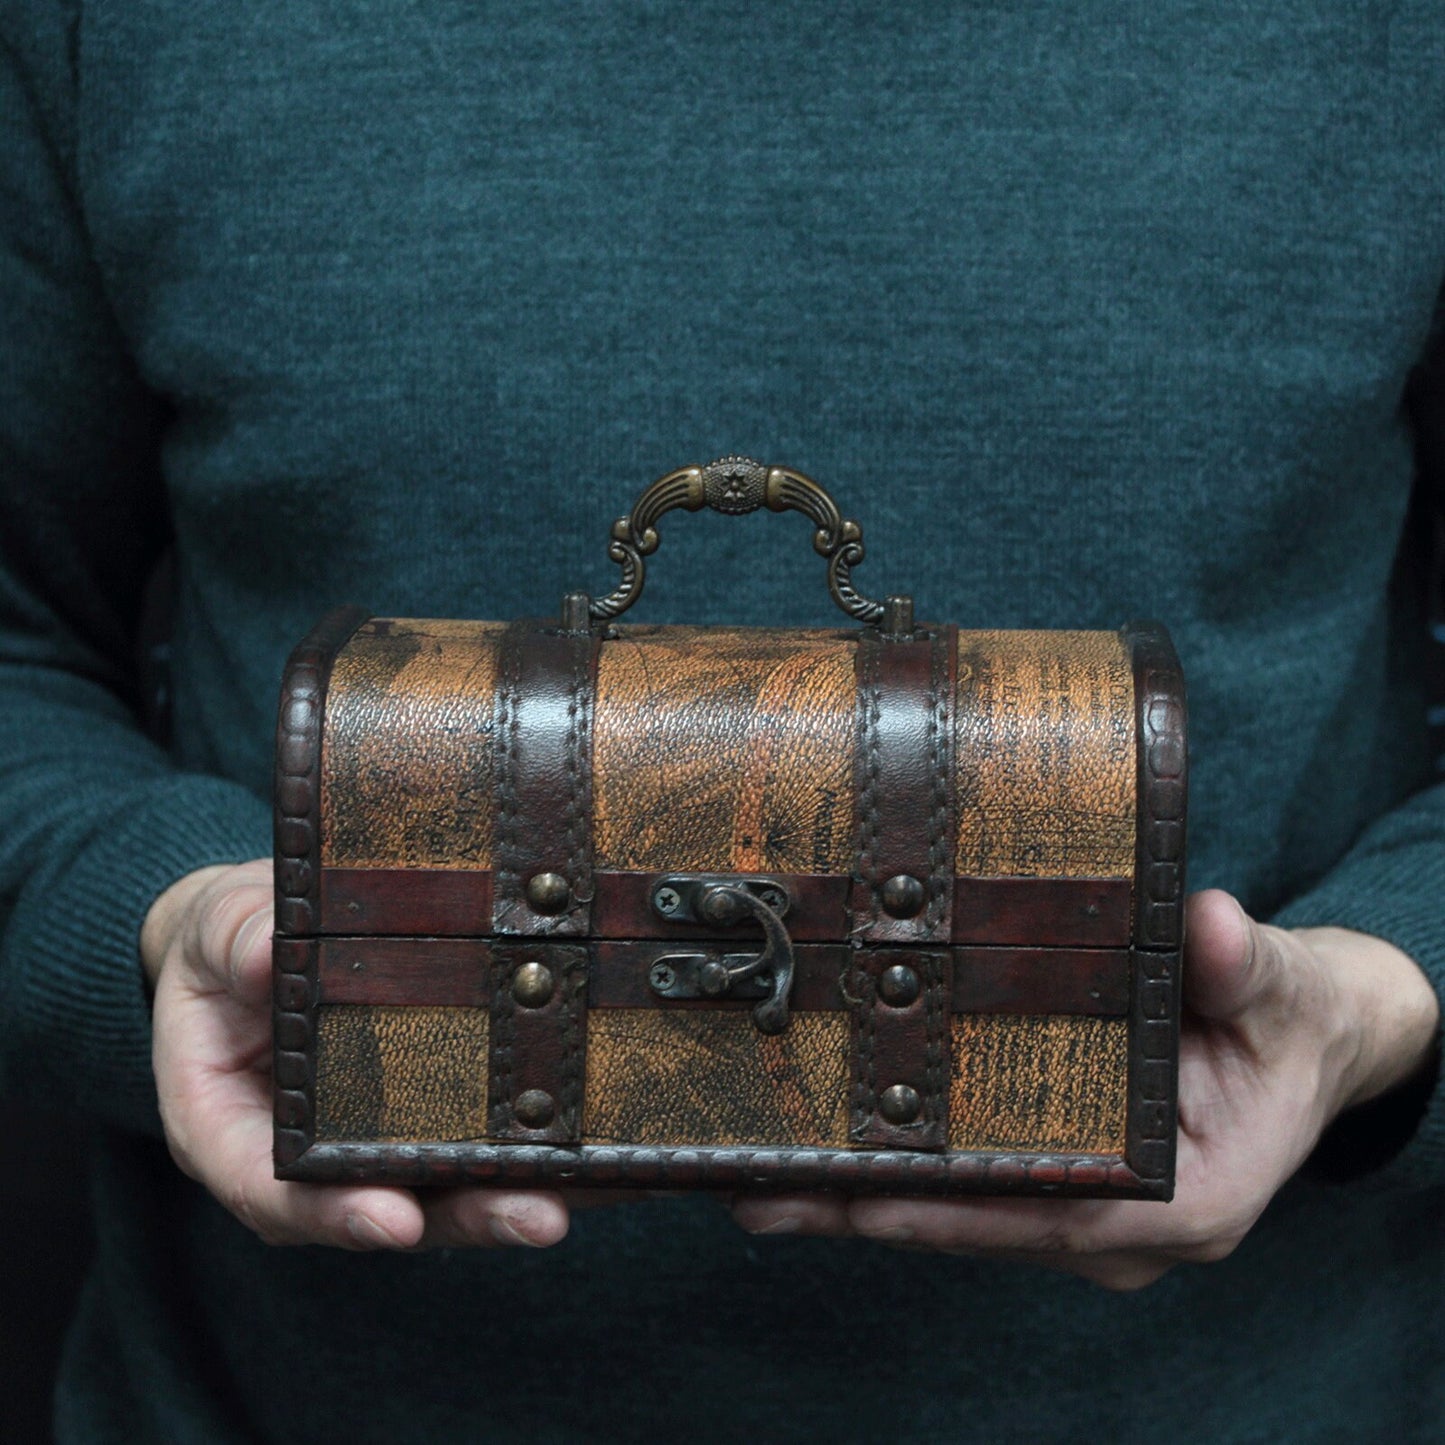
(95, 822)
(1392, 882)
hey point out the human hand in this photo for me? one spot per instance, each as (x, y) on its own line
(206, 948)
(1282, 1031)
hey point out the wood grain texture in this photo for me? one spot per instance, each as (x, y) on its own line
(724, 750)
(710, 1078)
(407, 768)
(399, 1074)
(1045, 755)
(1044, 1083)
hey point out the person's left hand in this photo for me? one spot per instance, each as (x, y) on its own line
(1282, 1031)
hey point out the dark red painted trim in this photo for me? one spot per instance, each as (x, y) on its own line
(455, 903)
(447, 902)
(457, 973)
(1043, 912)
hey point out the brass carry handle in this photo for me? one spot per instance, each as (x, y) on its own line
(736, 485)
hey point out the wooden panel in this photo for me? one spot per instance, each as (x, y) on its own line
(407, 774)
(725, 750)
(664, 1077)
(1043, 912)
(399, 1074)
(456, 902)
(1045, 755)
(1039, 1082)
(431, 972)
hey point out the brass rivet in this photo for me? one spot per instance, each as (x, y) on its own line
(902, 896)
(548, 892)
(900, 1104)
(534, 1108)
(532, 985)
(899, 986)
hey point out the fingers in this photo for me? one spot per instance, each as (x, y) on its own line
(825, 1214)
(227, 939)
(1225, 960)
(491, 1217)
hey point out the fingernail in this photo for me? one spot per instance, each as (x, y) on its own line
(369, 1234)
(505, 1232)
(894, 1234)
(788, 1224)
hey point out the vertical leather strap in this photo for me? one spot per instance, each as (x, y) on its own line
(537, 1044)
(546, 693)
(900, 1048)
(903, 882)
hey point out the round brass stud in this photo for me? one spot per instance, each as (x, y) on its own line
(900, 1104)
(532, 984)
(899, 986)
(548, 893)
(902, 896)
(534, 1108)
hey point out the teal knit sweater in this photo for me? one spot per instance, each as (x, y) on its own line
(1089, 311)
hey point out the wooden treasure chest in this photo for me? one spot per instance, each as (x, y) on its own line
(893, 907)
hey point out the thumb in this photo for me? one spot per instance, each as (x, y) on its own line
(1230, 961)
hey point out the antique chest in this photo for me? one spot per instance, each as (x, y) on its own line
(892, 907)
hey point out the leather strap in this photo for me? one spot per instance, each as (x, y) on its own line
(546, 693)
(537, 1047)
(900, 1046)
(904, 776)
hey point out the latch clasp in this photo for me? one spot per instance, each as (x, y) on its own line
(725, 902)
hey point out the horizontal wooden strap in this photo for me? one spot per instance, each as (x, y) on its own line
(849, 1171)
(457, 973)
(457, 903)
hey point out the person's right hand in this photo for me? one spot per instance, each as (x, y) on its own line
(206, 948)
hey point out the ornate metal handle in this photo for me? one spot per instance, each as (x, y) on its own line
(736, 485)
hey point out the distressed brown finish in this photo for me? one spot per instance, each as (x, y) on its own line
(293, 1036)
(400, 971)
(745, 1168)
(456, 902)
(457, 972)
(1032, 784)
(1163, 784)
(401, 1073)
(544, 777)
(407, 770)
(1056, 912)
(1046, 1084)
(903, 776)
(900, 1046)
(1045, 761)
(699, 1079)
(418, 901)
(538, 1049)
(724, 750)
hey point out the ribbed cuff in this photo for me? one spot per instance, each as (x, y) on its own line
(1399, 895)
(72, 991)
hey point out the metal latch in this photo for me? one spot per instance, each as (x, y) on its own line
(725, 902)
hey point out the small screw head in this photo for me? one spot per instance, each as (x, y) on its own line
(899, 986)
(548, 892)
(900, 1104)
(662, 977)
(534, 1108)
(532, 984)
(775, 898)
(667, 901)
(902, 896)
